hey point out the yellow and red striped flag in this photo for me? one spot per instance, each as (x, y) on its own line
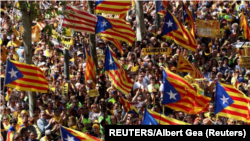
(79, 20)
(74, 135)
(115, 28)
(112, 7)
(116, 43)
(153, 118)
(128, 107)
(90, 73)
(174, 30)
(10, 134)
(25, 77)
(231, 103)
(245, 26)
(9, 92)
(188, 17)
(179, 95)
(35, 33)
(116, 73)
(41, 25)
(185, 66)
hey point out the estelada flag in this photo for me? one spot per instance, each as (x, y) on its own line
(25, 77)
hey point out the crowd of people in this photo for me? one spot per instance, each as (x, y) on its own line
(216, 58)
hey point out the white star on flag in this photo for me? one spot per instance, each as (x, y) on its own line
(69, 138)
(111, 62)
(169, 23)
(225, 100)
(172, 95)
(12, 73)
(150, 123)
(104, 23)
(184, 13)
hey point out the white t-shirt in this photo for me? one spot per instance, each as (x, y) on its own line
(161, 88)
(138, 85)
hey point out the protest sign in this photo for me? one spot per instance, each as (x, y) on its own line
(244, 62)
(93, 93)
(210, 28)
(155, 50)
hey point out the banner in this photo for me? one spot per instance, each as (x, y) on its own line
(210, 28)
(67, 42)
(156, 50)
(65, 89)
(161, 132)
(93, 93)
(100, 57)
(244, 62)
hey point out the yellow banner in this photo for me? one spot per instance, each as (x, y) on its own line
(210, 28)
(156, 50)
(65, 89)
(244, 62)
(100, 57)
(93, 93)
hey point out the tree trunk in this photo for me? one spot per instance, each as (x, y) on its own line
(140, 27)
(27, 20)
(92, 39)
(66, 57)
(158, 18)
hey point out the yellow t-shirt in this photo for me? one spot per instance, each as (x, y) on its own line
(15, 43)
(57, 118)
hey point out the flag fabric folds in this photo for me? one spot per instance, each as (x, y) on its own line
(115, 28)
(128, 107)
(25, 77)
(90, 73)
(188, 18)
(68, 134)
(10, 134)
(245, 27)
(161, 7)
(116, 73)
(79, 20)
(35, 33)
(232, 103)
(179, 95)
(153, 118)
(174, 30)
(9, 92)
(112, 7)
(116, 43)
(185, 66)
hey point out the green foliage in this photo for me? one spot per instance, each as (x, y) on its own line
(59, 39)
(48, 29)
(59, 12)
(64, 30)
(63, 3)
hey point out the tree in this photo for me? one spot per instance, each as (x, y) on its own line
(30, 12)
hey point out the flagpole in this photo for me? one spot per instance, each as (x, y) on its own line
(5, 75)
(61, 132)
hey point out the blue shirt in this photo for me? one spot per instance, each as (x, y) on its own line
(43, 125)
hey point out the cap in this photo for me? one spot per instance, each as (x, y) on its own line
(79, 53)
(47, 132)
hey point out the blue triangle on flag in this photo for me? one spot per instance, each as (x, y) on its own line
(12, 73)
